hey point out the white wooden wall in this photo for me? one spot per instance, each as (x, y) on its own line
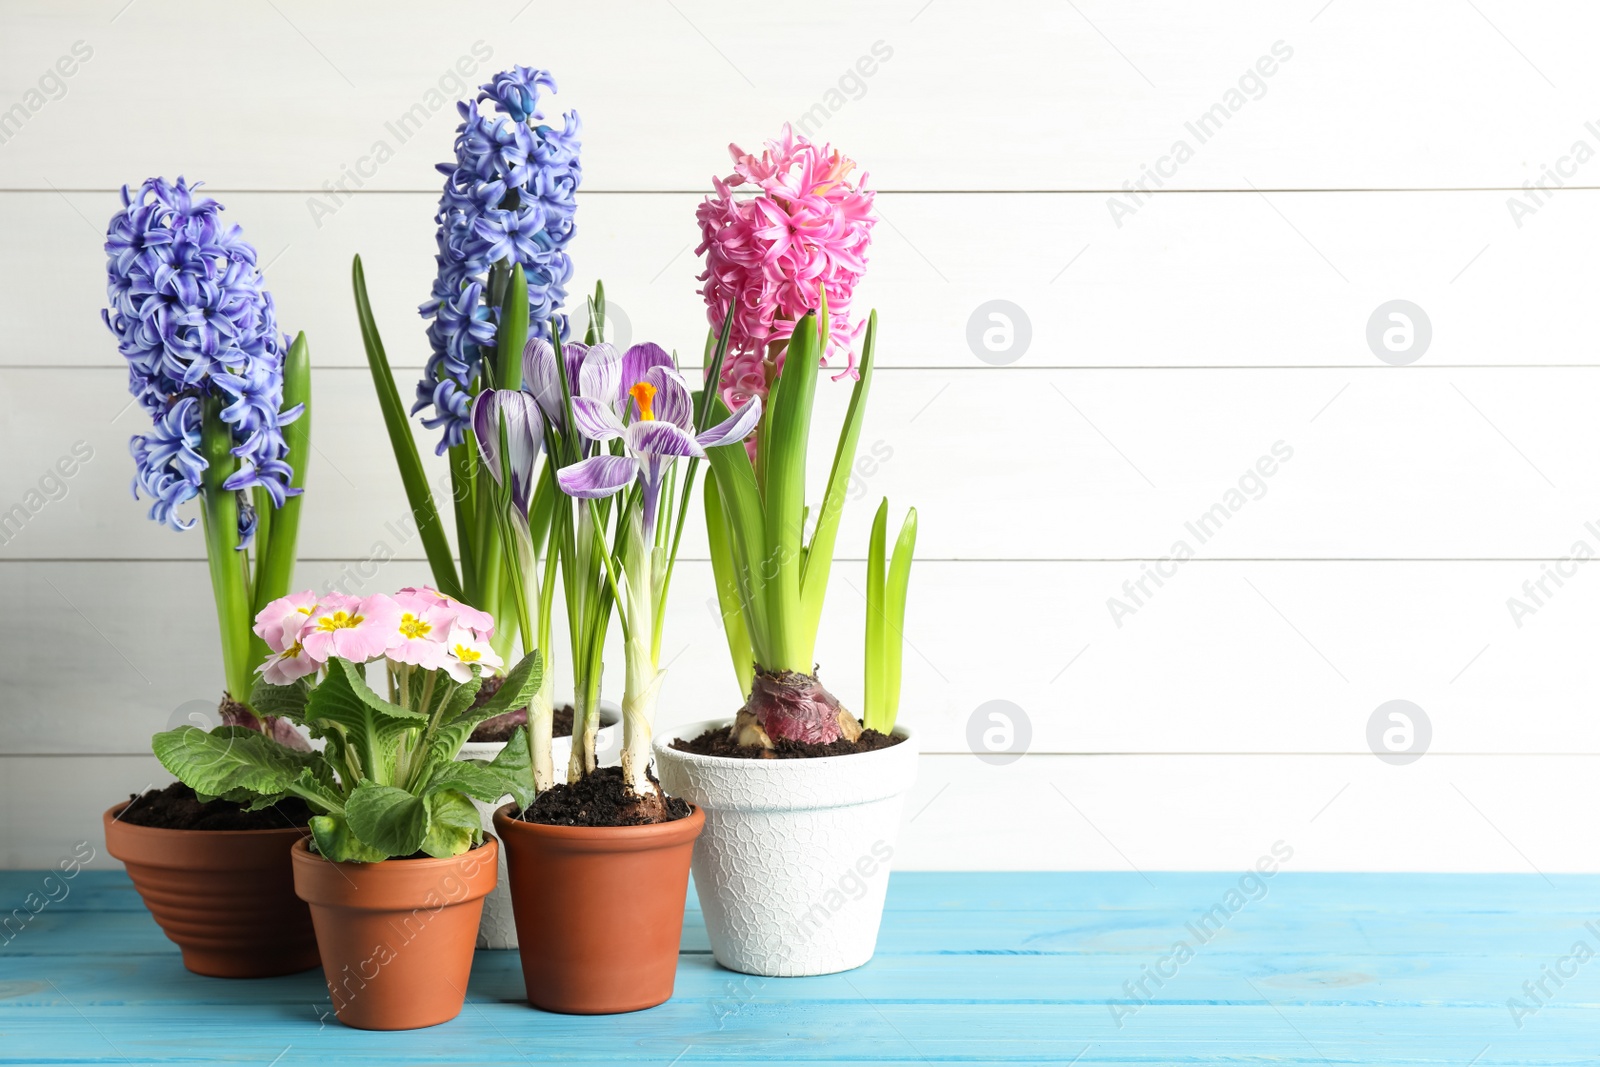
(1172, 346)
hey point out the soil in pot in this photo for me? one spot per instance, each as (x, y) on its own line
(397, 937)
(502, 727)
(177, 808)
(720, 742)
(602, 799)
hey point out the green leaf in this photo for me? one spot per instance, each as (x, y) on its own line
(387, 819)
(819, 554)
(741, 504)
(243, 765)
(369, 725)
(220, 512)
(783, 451)
(404, 445)
(453, 825)
(728, 600)
(509, 774)
(519, 688)
(511, 334)
(895, 588)
(284, 701)
(873, 659)
(335, 841)
(275, 557)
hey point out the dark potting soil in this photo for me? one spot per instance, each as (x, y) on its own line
(719, 742)
(177, 808)
(501, 728)
(602, 799)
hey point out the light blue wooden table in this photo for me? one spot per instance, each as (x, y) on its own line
(971, 968)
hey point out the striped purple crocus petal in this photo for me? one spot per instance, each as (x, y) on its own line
(486, 428)
(600, 374)
(735, 427)
(524, 441)
(542, 381)
(636, 362)
(598, 476)
(596, 420)
(653, 437)
(672, 401)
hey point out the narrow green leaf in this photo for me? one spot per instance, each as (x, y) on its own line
(220, 513)
(741, 504)
(819, 555)
(895, 589)
(728, 600)
(511, 333)
(412, 475)
(872, 703)
(275, 558)
(784, 493)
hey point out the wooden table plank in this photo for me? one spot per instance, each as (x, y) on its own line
(971, 968)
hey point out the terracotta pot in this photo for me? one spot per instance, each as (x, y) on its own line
(397, 936)
(226, 897)
(794, 864)
(599, 910)
(497, 928)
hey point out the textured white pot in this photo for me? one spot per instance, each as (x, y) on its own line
(794, 860)
(497, 928)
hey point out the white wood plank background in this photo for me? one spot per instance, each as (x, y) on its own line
(1176, 338)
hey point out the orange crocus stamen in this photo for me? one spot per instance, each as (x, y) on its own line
(644, 394)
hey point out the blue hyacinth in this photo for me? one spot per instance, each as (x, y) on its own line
(509, 196)
(192, 319)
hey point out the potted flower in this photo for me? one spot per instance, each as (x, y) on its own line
(599, 862)
(505, 219)
(397, 864)
(227, 396)
(802, 798)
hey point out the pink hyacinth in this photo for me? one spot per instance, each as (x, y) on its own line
(771, 255)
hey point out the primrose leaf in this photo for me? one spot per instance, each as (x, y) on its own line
(508, 775)
(335, 841)
(285, 701)
(453, 824)
(237, 763)
(370, 726)
(388, 819)
(518, 691)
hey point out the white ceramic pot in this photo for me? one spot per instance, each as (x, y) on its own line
(497, 928)
(794, 860)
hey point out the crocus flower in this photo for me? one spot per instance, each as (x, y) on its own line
(510, 196)
(661, 427)
(278, 624)
(465, 649)
(771, 255)
(541, 378)
(512, 416)
(351, 628)
(192, 319)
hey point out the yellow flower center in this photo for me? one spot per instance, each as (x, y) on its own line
(339, 620)
(293, 652)
(413, 627)
(468, 655)
(644, 394)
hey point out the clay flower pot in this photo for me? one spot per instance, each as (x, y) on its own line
(599, 910)
(497, 928)
(226, 897)
(397, 936)
(794, 862)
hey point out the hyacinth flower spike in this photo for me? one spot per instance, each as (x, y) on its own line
(228, 398)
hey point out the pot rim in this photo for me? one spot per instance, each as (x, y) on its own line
(302, 847)
(614, 838)
(662, 746)
(113, 817)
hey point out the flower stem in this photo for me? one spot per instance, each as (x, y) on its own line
(221, 516)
